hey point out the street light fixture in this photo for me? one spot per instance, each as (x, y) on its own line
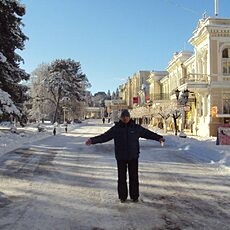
(182, 102)
(65, 101)
(40, 100)
(177, 91)
(186, 94)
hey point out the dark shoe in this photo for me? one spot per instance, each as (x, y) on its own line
(122, 200)
(135, 200)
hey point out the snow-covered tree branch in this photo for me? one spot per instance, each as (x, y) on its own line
(11, 39)
(7, 105)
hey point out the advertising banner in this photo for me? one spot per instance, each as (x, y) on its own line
(147, 98)
(135, 100)
(223, 134)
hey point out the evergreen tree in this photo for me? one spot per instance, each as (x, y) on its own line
(6, 104)
(12, 38)
(65, 79)
(113, 96)
(109, 95)
(117, 94)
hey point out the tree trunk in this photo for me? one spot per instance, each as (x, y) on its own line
(164, 125)
(57, 105)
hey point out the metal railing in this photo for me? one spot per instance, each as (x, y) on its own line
(195, 77)
(160, 96)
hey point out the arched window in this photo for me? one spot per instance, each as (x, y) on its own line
(225, 53)
(226, 103)
(226, 61)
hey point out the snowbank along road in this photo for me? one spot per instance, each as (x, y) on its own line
(59, 183)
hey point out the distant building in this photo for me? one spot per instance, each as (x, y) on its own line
(114, 108)
(135, 90)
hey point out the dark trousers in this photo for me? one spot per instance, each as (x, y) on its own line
(132, 166)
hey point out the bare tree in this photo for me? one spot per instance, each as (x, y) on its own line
(165, 111)
(43, 104)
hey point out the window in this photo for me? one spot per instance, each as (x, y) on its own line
(225, 53)
(226, 61)
(226, 103)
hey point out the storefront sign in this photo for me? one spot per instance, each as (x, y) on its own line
(214, 111)
(135, 100)
(223, 134)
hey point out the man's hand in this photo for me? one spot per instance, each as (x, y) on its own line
(88, 142)
(162, 141)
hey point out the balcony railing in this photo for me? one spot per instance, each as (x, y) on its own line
(160, 96)
(195, 77)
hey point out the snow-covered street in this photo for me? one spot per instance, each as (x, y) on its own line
(60, 183)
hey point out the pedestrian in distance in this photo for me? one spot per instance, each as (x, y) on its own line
(126, 136)
(103, 120)
(54, 131)
(55, 128)
(66, 129)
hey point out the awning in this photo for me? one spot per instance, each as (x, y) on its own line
(222, 115)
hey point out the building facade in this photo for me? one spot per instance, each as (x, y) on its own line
(207, 75)
(137, 88)
(204, 73)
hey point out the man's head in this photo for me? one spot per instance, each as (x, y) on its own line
(125, 116)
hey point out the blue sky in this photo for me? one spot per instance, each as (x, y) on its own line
(111, 38)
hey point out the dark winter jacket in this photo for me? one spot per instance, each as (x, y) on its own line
(126, 139)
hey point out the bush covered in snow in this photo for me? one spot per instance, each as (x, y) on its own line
(7, 105)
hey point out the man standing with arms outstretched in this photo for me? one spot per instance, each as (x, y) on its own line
(126, 136)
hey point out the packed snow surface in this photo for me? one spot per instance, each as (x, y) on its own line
(60, 183)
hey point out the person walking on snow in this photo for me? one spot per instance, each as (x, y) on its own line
(126, 136)
(66, 127)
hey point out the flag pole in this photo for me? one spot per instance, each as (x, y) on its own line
(216, 8)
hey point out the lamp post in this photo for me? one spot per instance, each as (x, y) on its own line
(64, 110)
(65, 101)
(40, 101)
(182, 102)
(177, 92)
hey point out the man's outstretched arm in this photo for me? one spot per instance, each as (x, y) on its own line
(107, 136)
(147, 134)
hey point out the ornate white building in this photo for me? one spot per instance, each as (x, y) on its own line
(205, 73)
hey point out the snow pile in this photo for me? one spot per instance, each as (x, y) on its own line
(199, 149)
(10, 141)
(203, 150)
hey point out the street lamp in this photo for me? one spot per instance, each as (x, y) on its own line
(64, 110)
(177, 92)
(65, 101)
(40, 101)
(182, 102)
(186, 94)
